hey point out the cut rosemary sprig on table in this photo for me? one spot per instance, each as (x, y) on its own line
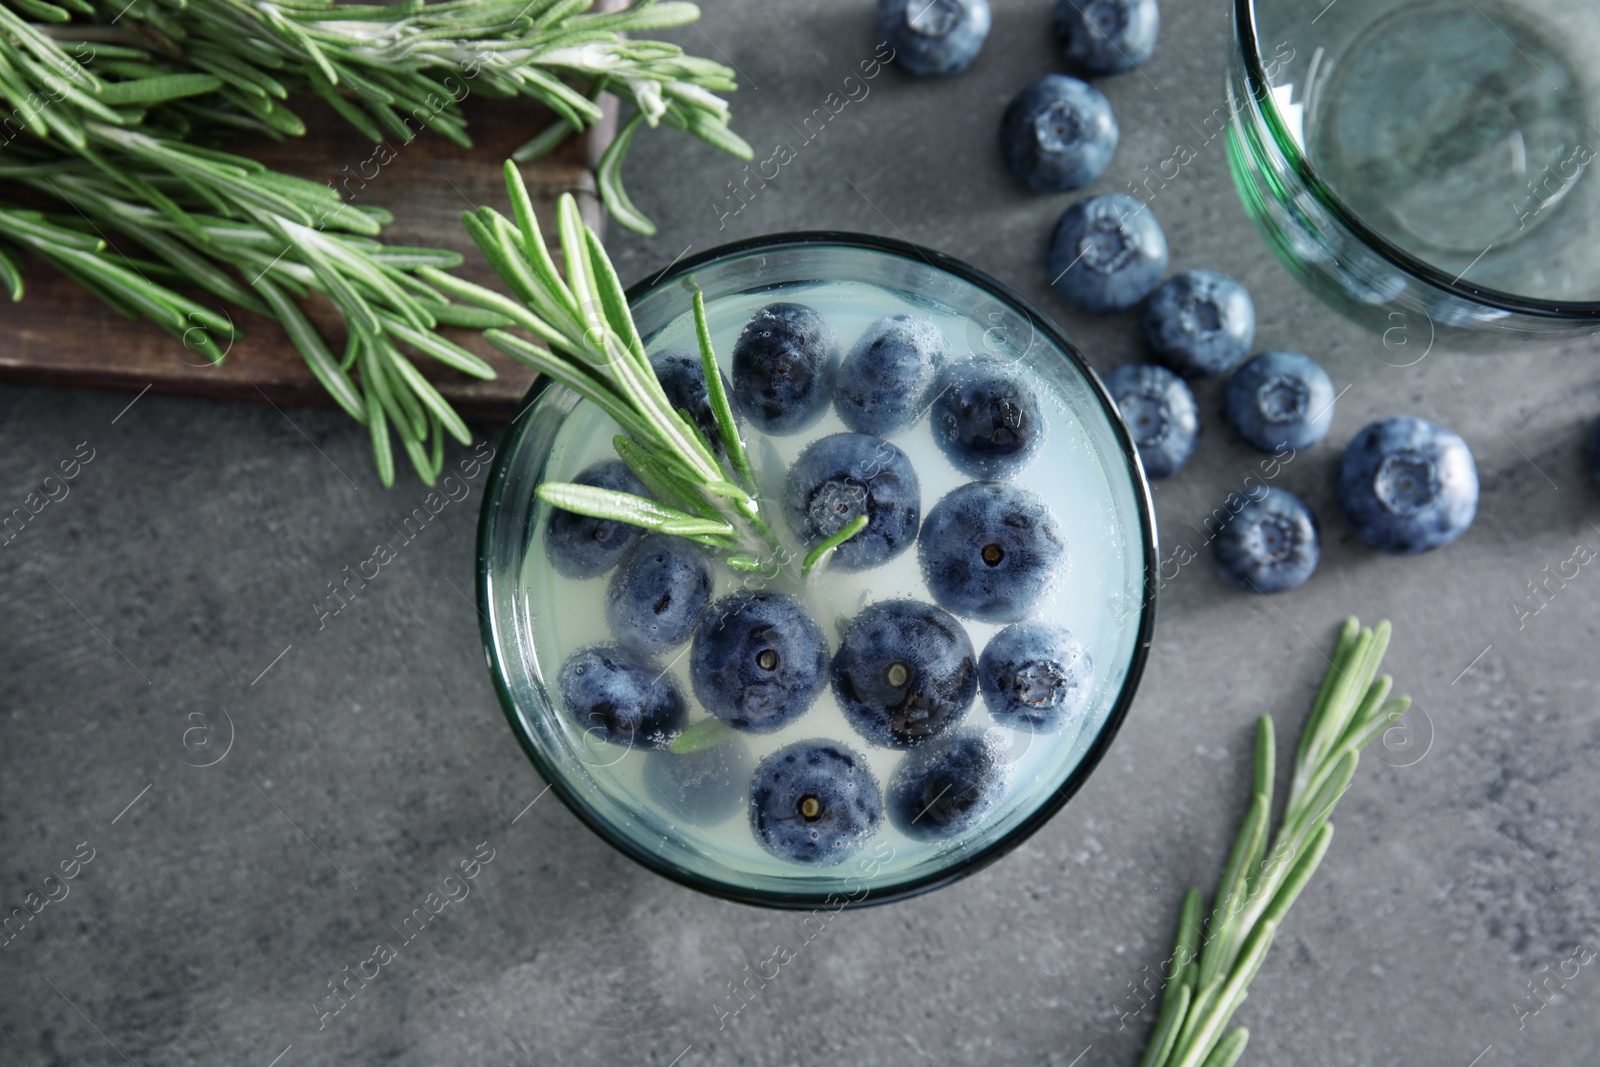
(1215, 958)
(591, 345)
(393, 70)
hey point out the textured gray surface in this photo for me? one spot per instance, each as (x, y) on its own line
(371, 757)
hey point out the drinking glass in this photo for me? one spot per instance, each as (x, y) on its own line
(533, 618)
(1426, 162)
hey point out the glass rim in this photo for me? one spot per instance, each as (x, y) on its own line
(1498, 299)
(968, 863)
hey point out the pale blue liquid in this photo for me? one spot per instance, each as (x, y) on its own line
(1097, 597)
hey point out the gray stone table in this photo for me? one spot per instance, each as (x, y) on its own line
(175, 588)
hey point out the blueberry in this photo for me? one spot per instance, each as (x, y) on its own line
(905, 672)
(783, 364)
(1107, 36)
(1161, 414)
(946, 787)
(990, 551)
(658, 595)
(683, 379)
(1407, 485)
(705, 786)
(933, 38)
(1200, 322)
(584, 547)
(986, 418)
(608, 692)
(1108, 252)
(884, 383)
(1271, 544)
(758, 660)
(840, 477)
(814, 802)
(1058, 134)
(1035, 676)
(1280, 400)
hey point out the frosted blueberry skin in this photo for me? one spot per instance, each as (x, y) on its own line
(1107, 254)
(1107, 36)
(657, 596)
(1271, 544)
(1161, 414)
(933, 38)
(1280, 400)
(986, 419)
(845, 475)
(608, 692)
(758, 661)
(1058, 134)
(783, 365)
(904, 673)
(1035, 676)
(683, 379)
(814, 802)
(1200, 322)
(946, 787)
(706, 786)
(1407, 485)
(885, 381)
(583, 547)
(990, 551)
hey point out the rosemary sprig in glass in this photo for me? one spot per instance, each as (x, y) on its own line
(591, 345)
(1217, 956)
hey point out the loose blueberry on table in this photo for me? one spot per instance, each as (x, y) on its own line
(1107, 36)
(683, 379)
(986, 418)
(1200, 322)
(887, 378)
(1035, 676)
(1107, 254)
(904, 673)
(946, 787)
(580, 546)
(990, 551)
(1058, 134)
(1407, 485)
(845, 475)
(933, 38)
(621, 699)
(758, 661)
(658, 594)
(1161, 415)
(1280, 400)
(783, 366)
(814, 802)
(1271, 544)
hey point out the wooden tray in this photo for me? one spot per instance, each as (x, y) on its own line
(62, 335)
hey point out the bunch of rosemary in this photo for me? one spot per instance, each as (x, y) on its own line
(112, 116)
(1217, 956)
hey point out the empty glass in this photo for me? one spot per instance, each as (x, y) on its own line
(1426, 160)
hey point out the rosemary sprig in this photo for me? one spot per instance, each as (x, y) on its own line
(117, 108)
(1214, 960)
(591, 345)
(392, 70)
